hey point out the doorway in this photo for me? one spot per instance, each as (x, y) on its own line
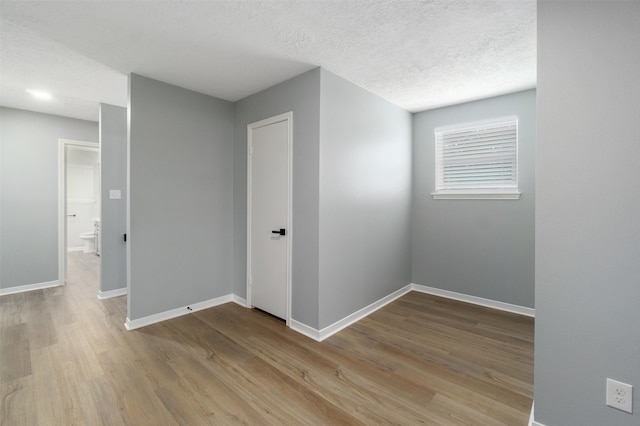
(78, 201)
(269, 215)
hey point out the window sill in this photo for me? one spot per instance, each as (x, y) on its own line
(476, 195)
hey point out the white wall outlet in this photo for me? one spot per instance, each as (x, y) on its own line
(115, 194)
(620, 395)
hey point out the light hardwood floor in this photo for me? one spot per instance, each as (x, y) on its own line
(66, 359)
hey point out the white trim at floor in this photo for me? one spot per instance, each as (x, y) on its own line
(502, 306)
(112, 293)
(532, 422)
(303, 328)
(177, 312)
(29, 287)
(531, 415)
(320, 335)
(239, 300)
(345, 322)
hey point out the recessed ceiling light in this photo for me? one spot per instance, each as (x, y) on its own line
(40, 94)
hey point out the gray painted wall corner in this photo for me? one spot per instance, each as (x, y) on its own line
(181, 197)
(365, 198)
(483, 248)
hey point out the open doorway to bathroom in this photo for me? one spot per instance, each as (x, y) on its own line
(79, 207)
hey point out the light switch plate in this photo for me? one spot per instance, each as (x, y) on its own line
(115, 194)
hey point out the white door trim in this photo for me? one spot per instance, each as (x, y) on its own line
(288, 117)
(62, 205)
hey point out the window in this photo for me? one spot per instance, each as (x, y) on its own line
(478, 160)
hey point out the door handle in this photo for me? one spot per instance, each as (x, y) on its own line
(71, 215)
(281, 232)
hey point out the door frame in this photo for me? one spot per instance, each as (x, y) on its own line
(62, 202)
(288, 117)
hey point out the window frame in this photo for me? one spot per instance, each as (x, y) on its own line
(502, 192)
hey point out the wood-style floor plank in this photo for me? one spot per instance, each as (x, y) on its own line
(66, 359)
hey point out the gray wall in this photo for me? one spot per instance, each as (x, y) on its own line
(181, 197)
(587, 211)
(483, 248)
(365, 198)
(302, 96)
(29, 192)
(113, 163)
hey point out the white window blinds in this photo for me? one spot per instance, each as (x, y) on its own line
(478, 158)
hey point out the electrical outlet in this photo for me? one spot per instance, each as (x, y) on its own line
(620, 395)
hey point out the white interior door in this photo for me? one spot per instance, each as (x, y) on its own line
(269, 232)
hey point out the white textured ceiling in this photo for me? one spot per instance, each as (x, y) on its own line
(417, 54)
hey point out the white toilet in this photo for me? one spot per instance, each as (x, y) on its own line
(89, 240)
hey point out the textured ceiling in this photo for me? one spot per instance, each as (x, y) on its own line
(29, 61)
(417, 54)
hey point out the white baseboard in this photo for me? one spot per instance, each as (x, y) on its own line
(358, 315)
(112, 293)
(303, 328)
(534, 423)
(177, 312)
(239, 300)
(531, 415)
(320, 335)
(494, 304)
(345, 322)
(29, 287)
